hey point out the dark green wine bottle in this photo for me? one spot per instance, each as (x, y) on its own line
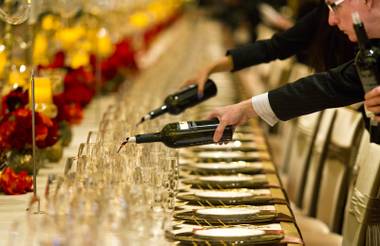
(180, 101)
(184, 134)
(368, 67)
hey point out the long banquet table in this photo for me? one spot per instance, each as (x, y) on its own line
(206, 174)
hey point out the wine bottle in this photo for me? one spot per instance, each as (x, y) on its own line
(183, 134)
(368, 68)
(178, 102)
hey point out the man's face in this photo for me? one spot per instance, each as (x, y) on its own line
(341, 15)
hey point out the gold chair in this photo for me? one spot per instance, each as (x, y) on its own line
(362, 215)
(362, 212)
(302, 145)
(317, 157)
(342, 152)
(334, 182)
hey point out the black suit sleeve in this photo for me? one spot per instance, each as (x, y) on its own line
(280, 46)
(336, 88)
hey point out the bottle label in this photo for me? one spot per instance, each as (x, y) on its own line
(184, 125)
(368, 79)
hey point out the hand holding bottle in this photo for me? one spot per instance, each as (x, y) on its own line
(367, 65)
(222, 65)
(183, 134)
(372, 102)
(232, 115)
(178, 102)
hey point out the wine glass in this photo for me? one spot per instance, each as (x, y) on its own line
(15, 12)
(98, 7)
(93, 137)
(67, 8)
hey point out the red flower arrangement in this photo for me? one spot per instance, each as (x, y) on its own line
(70, 112)
(15, 99)
(113, 68)
(16, 129)
(16, 124)
(16, 137)
(124, 55)
(79, 86)
(12, 183)
(79, 89)
(58, 61)
(153, 31)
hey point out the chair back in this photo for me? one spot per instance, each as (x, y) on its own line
(302, 145)
(362, 215)
(317, 157)
(341, 153)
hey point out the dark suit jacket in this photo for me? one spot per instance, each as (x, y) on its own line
(338, 87)
(312, 39)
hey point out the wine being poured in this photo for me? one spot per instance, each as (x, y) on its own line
(180, 101)
(183, 134)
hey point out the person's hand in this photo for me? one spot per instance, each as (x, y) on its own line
(372, 102)
(200, 79)
(224, 64)
(232, 115)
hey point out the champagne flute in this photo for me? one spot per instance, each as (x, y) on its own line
(15, 12)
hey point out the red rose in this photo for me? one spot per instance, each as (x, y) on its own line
(43, 119)
(47, 133)
(151, 34)
(16, 130)
(6, 129)
(70, 112)
(22, 134)
(73, 113)
(59, 101)
(15, 99)
(58, 61)
(12, 183)
(79, 86)
(79, 94)
(108, 70)
(79, 76)
(124, 55)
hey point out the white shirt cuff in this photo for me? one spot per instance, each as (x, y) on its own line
(263, 109)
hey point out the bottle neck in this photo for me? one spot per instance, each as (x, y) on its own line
(157, 112)
(147, 138)
(361, 34)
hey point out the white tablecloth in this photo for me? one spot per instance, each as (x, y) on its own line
(13, 208)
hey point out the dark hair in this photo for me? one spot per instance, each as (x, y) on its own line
(337, 48)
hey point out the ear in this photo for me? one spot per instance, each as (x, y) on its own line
(369, 3)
